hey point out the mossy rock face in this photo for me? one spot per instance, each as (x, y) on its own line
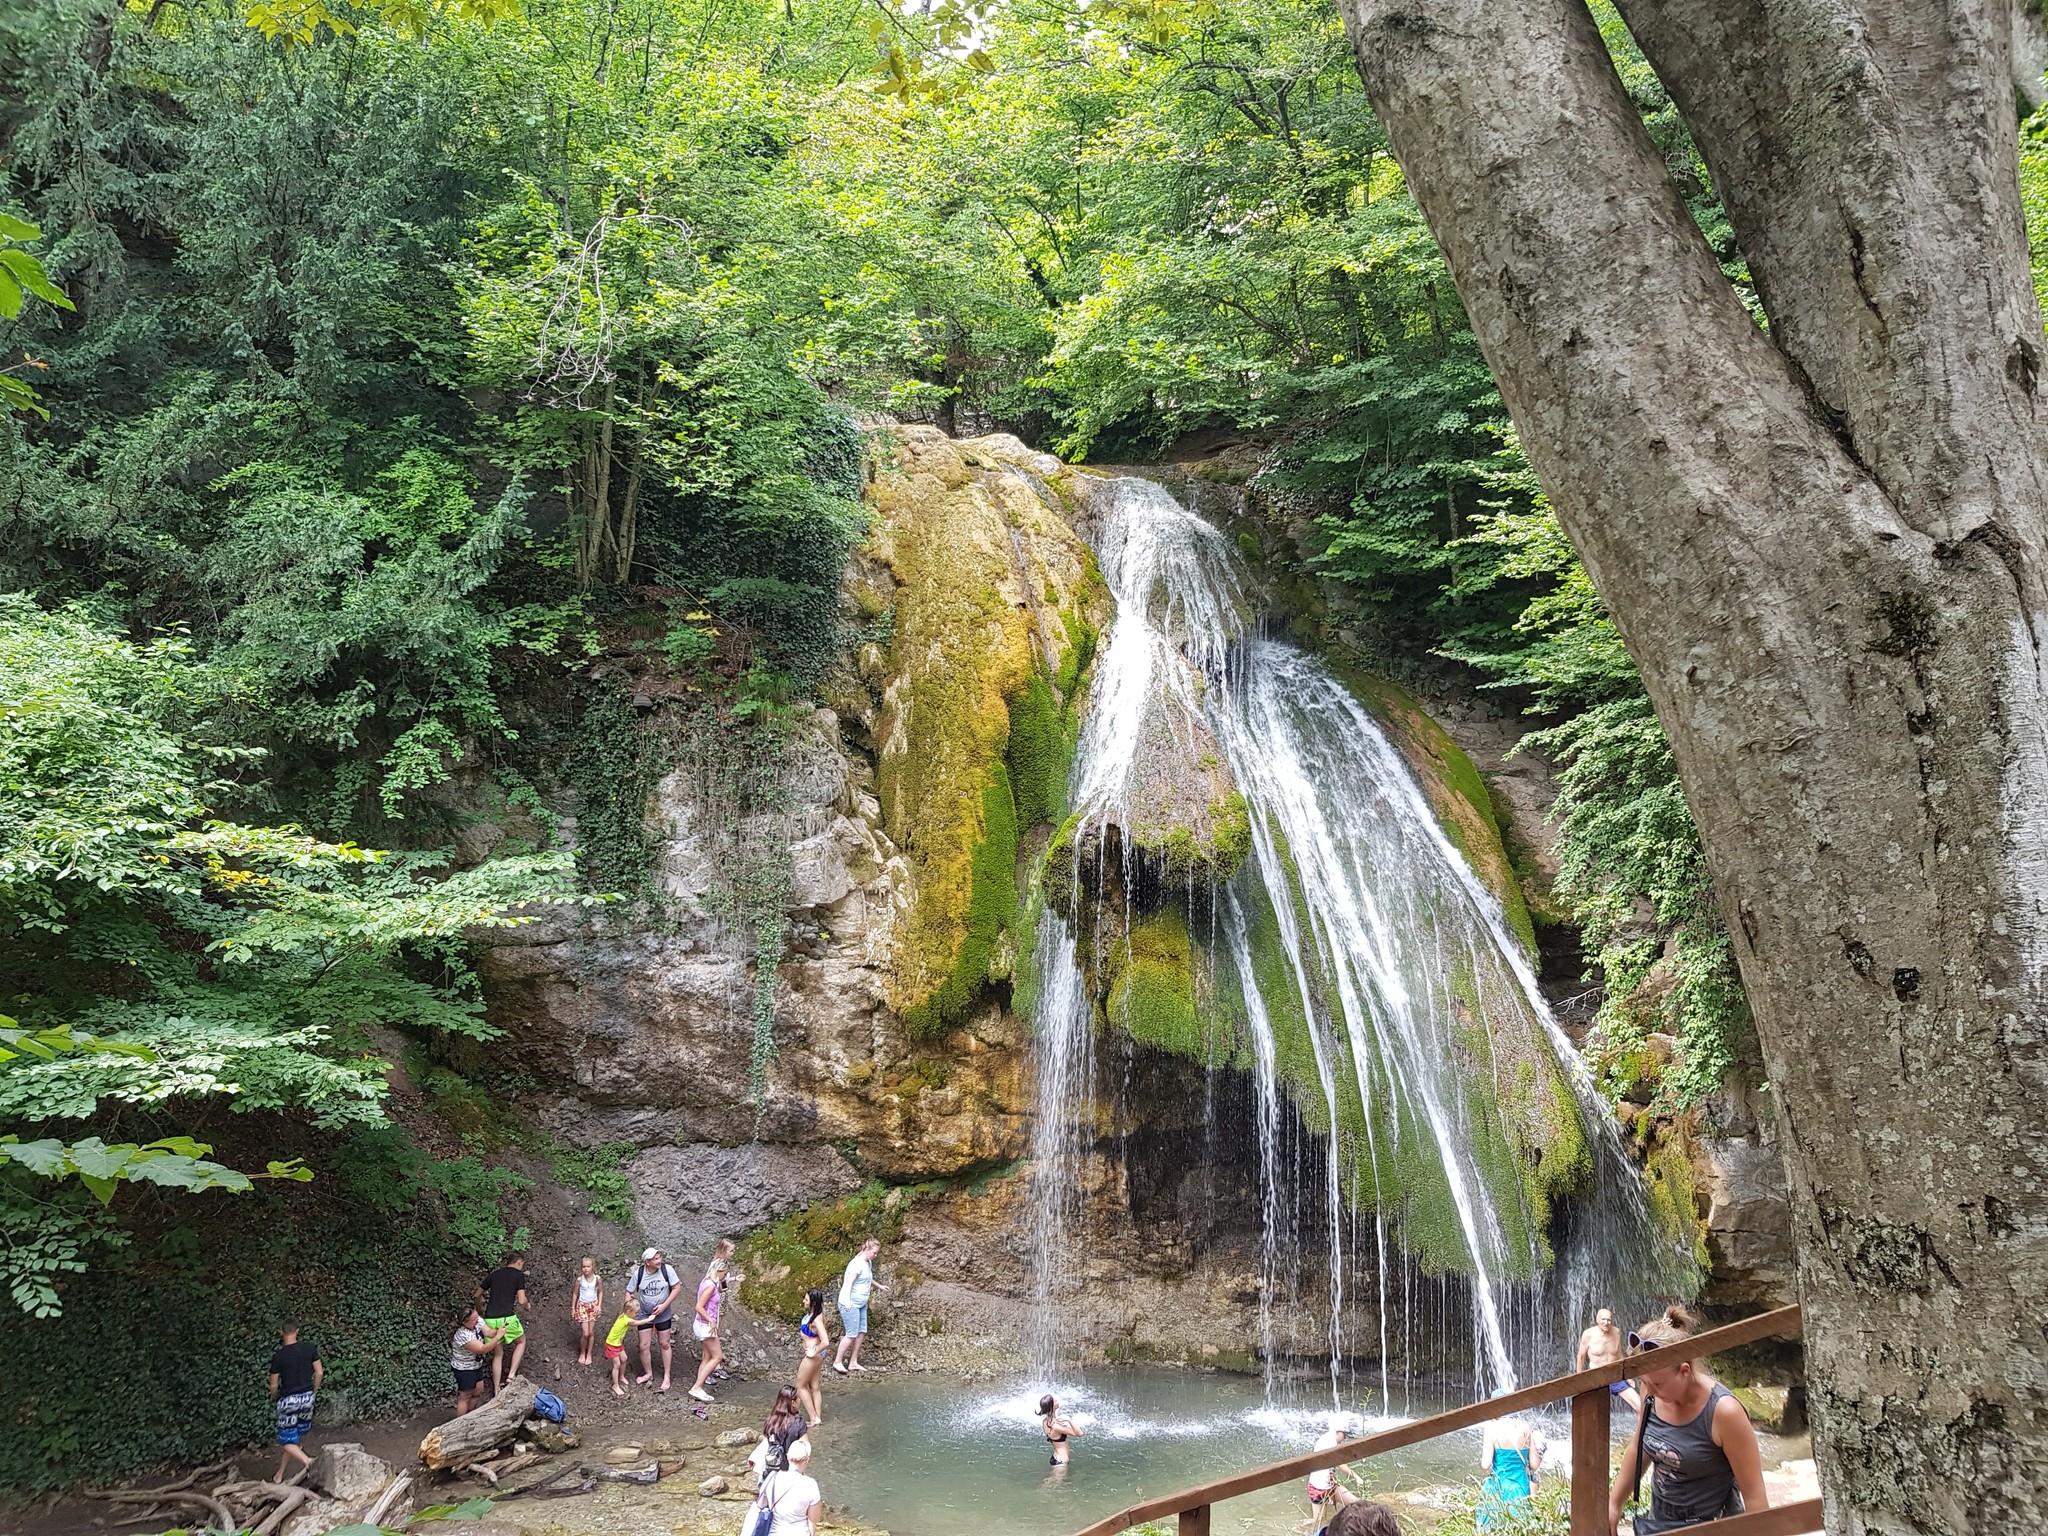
(1153, 996)
(997, 607)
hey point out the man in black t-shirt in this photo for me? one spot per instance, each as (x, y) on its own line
(295, 1372)
(504, 1292)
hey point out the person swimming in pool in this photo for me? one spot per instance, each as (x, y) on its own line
(1058, 1431)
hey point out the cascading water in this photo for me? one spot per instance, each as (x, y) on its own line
(1362, 972)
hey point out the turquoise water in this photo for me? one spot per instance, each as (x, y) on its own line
(927, 1455)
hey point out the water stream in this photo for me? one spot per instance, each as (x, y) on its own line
(1361, 974)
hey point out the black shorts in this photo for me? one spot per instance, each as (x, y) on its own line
(469, 1381)
(661, 1324)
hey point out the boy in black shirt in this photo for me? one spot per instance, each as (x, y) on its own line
(504, 1291)
(295, 1372)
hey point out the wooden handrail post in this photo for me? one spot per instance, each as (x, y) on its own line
(1195, 1522)
(1589, 1462)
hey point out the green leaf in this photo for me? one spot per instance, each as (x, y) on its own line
(103, 1189)
(29, 273)
(45, 1157)
(10, 295)
(18, 229)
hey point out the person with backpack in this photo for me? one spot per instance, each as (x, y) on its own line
(785, 1426)
(655, 1285)
(789, 1503)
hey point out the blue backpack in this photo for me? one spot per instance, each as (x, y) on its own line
(549, 1406)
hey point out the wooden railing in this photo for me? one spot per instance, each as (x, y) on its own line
(1590, 1402)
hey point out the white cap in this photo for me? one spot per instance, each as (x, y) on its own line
(652, 1253)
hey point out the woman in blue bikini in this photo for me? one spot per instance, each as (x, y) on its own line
(817, 1338)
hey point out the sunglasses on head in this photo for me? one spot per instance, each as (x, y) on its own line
(1637, 1343)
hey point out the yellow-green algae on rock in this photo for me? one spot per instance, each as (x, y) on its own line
(997, 603)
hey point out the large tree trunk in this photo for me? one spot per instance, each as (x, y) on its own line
(481, 1431)
(1827, 549)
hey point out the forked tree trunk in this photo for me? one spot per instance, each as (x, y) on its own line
(1828, 551)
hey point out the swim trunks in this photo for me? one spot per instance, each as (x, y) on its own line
(294, 1417)
(514, 1329)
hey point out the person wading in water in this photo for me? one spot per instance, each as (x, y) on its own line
(1602, 1344)
(1058, 1431)
(1693, 1435)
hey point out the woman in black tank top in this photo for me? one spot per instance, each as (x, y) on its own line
(1694, 1439)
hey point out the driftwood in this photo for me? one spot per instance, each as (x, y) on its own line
(544, 1487)
(492, 1471)
(385, 1500)
(289, 1496)
(478, 1433)
(222, 1520)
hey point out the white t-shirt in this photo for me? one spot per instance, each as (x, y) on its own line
(789, 1495)
(1322, 1480)
(859, 1281)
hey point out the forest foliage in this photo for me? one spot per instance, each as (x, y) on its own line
(414, 348)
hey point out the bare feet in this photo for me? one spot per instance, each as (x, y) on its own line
(857, 1366)
(618, 1391)
(641, 1381)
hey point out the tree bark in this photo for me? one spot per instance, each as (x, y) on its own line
(1827, 550)
(479, 1432)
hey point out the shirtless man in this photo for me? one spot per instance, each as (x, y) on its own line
(1603, 1344)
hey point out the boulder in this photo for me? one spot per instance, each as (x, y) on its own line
(623, 1455)
(347, 1472)
(737, 1437)
(551, 1438)
(713, 1486)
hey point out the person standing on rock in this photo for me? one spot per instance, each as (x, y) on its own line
(504, 1291)
(1602, 1344)
(855, 1287)
(710, 1293)
(655, 1284)
(295, 1372)
(817, 1338)
(586, 1305)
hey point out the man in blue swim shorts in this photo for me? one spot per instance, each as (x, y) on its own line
(295, 1372)
(1602, 1344)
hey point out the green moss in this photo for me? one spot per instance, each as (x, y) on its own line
(809, 1248)
(1153, 996)
(991, 912)
(1668, 1181)
(1232, 836)
(1080, 652)
(1040, 752)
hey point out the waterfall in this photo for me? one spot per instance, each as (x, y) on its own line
(1364, 974)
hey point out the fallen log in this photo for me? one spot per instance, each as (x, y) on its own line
(479, 1433)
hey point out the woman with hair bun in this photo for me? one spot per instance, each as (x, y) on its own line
(1693, 1435)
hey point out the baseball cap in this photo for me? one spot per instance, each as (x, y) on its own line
(652, 1253)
